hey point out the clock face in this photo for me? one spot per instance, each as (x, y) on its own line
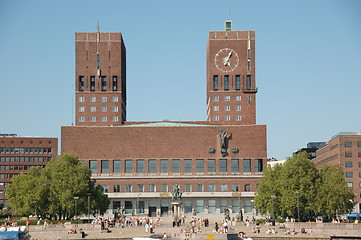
(226, 60)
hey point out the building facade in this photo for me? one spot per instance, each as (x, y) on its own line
(18, 154)
(344, 149)
(216, 163)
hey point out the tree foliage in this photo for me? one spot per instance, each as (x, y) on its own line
(298, 184)
(50, 191)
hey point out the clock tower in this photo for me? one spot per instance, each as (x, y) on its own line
(231, 80)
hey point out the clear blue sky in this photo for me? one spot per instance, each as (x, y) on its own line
(308, 62)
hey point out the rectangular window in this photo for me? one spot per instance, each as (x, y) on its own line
(105, 188)
(235, 187)
(223, 205)
(235, 206)
(116, 166)
(164, 165)
(128, 188)
(200, 188)
(211, 165)
(223, 187)
(140, 166)
(215, 82)
(227, 108)
(92, 83)
(93, 109)
(259, 165)
(249, 65)
(104, 83)
(104, 118)
(358, 144)
(227, 98)
(115, 118)
(115, 83)
(348, 164)
(222, 165)
(152, 188)
(115, 99)
(187, 187)
(81, 83)
(247, 187)
(350, 184)
(216, 108)
(216, 98)
(116, 188)
(105, 166)
(348, 154)
(211, 206)
(81, 99)
(164, 188)
(247, 206)
(238, 98)
(104, 99)
(238, 82)
(93, 119)
(187, 165)
(216, 118)
(211, 187)
(92, 166)
(199, 206)
(199, 165)
(104, 108)
(175, 165)
(348, 174)
(140, 187)
(129, 166)
(152, 166)
(81, 119)
(249, 82)
(81, 109)
(227, 118)
(115, 108)
(238, 108)
(226, 83)
(93, 99)
(348, 144)
(235, 165)
(246, 165)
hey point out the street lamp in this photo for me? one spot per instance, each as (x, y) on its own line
(89, 194)
(252, 203)
(298, 205)
(76, 201)
(273, 209)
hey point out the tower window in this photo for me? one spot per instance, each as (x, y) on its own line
(249, 65)
(81, 83)
(227, 118)
(115, 83)
(226, 82)
(249, 82)
(92, 83)
(238, 82)
(249, 53)
(216, 118)
(216, 108)
(227, 98)
(215, 82)
(104, 83)
(227, 108)
(215, 98)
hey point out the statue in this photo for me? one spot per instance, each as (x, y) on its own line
(176, 194)
(223, 135)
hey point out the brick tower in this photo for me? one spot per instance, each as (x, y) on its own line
(231, 80)
(100, 82)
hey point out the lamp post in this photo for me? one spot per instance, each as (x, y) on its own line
(298, 205)
(89, 194)
(273, 210)
(76, 201)
(252, 203)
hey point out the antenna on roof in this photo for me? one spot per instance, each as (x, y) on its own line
(228, 25)
(98, 27)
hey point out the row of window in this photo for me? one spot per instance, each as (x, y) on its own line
(228, 118)
(350, 185)
(103, 109)
(25, 159)
(103, 119)
(186, 188)
(350, 164)
(189, 206)
(25, 150)
(226, 82)
(227, 108)
(103, 83)
(15, 167)
(349, 144)
(174, 165)
(227, 98)
(350, 174)
(103, 99)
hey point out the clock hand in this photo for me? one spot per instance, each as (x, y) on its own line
(226, 59)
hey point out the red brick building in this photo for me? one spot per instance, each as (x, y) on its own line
(217, 163)
(344, 149)
(18, 154)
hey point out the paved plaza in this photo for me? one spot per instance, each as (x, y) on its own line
(319, 231)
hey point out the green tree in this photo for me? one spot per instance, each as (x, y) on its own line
(50, 191)
(297, 184)
(333, 197)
